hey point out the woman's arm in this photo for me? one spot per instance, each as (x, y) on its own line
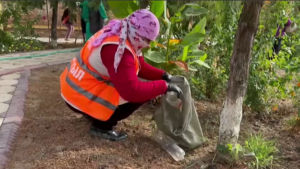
(288, 27)
(126, 81)
(149, 72)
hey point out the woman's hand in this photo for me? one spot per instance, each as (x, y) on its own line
(105, 21)
(290, 29)
(166, 77)
(174, 88)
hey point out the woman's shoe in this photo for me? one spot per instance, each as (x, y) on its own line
(110, 135)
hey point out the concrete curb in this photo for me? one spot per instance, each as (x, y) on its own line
(13, 118)
(5, 72)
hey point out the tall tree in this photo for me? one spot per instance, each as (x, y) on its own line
(143, 4)
(231, 115)
(54, 5)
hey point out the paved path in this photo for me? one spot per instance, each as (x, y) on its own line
(59, 40)
(10, 66)
(13, 88)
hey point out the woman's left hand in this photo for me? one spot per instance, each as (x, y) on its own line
(166, 77)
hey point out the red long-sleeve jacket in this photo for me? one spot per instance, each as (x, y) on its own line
(126, 81)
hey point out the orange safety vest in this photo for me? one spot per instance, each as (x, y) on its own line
(87, 89)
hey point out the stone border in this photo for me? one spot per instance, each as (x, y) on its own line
(5, 72)
(15, 113)
(13, 118)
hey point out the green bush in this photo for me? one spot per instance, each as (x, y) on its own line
(22, 27)
(222, 23)
(6, 38)
(22, 45)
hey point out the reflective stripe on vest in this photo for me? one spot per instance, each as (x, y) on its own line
(87, 94)
(94, 74)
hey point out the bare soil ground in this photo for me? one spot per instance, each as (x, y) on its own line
(53, 137)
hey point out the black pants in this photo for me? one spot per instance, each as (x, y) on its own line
(95, 20)
(122, 112)
(83, 26)
(276, 48)
(277, 45)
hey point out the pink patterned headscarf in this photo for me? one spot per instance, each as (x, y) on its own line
(138, 28)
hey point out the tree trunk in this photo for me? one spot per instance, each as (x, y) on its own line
(231, 115)
(144, 4)
(54, 25)
(1, 26)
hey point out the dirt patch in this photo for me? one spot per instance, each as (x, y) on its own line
(52, 136)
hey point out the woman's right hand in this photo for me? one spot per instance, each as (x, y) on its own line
(105, 21)
(176, 89)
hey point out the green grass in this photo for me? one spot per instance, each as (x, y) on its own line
(263, 150)
(292, 121)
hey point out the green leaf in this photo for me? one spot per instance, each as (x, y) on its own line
(193, 38)
(184, 7)
(191, 68)
(193, 5)
(198, 54)
(195, 11)
(191, 57)
(154, 56)
(230, 147)
(203, 58)
(157, 8)
(152, 44)
(173, 47)
(193, 47)
(164, 22)
(175, 19)
(195, 81)
(185, 52)
(200, 27)
(201, 63)
(122, 9)
(222, 148)
(285, 19)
